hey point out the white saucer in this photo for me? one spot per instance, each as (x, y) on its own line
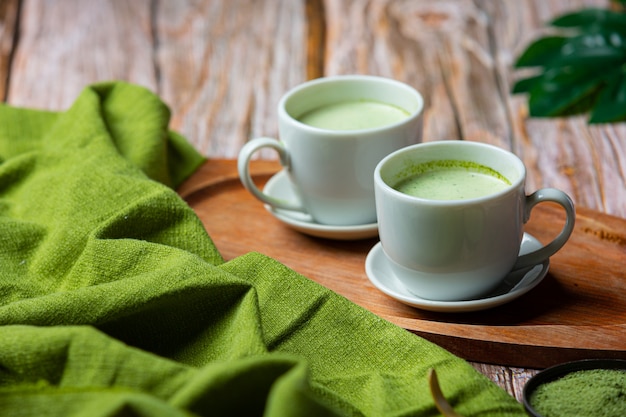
(280, 187)
(516, 283)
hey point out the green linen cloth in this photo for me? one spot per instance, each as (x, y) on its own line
(115, 302)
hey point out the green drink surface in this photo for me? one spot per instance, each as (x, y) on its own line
(354, 115)
(452, 180)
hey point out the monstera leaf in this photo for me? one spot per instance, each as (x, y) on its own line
(581, 69)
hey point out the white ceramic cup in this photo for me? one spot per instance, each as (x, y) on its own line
(451, 250)
(331, 171)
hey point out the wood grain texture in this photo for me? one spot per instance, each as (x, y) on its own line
(577, 312)
(511, 379)
(65, 45)
(9, 14)
(315, 39)
(224, 65)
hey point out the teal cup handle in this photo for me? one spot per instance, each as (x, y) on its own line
(555, 196)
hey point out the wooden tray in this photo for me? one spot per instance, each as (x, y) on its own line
(577, 312)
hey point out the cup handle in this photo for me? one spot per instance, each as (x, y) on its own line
(243, 167)
(556, 196)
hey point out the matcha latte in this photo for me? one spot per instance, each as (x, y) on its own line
(354, 115)
(452, 180)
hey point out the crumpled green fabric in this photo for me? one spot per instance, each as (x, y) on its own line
(114, 301)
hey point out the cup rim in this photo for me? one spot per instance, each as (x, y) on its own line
(513, 187)
(416, 113)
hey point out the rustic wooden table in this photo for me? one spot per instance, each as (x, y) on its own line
(223, 65)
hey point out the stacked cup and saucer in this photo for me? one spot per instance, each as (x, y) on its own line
(451, 218)
(352, 162)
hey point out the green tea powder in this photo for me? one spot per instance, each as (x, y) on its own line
(589, 393)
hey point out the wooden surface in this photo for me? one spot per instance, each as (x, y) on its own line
(223, 65)
(577, 312)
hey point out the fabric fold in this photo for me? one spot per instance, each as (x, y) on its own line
(114, 300)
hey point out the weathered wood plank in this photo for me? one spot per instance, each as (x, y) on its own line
(315, 39)
(510, 378)
(9, 10)
(221, 66)
(442, 48)
(65, 45)
(225, 65)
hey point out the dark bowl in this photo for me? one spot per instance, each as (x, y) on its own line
(556, 372)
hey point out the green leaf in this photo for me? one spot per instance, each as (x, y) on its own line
(582, 71)
(562, 89)
(525, 85)
(590, 19)
(597, 49)
(541, 51)
(611, 104)
(560, 51)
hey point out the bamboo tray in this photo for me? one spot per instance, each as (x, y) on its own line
(577, 312)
